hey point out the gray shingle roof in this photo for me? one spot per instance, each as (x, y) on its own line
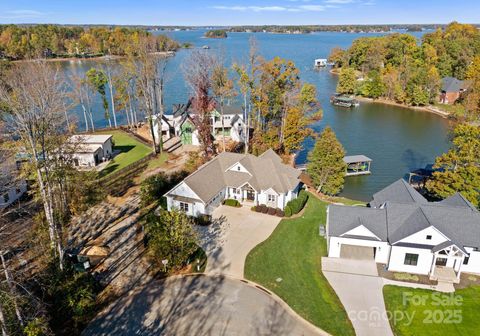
(406, 212)
(356, 158)
(397, 192)
(265, 171)
(451, 84)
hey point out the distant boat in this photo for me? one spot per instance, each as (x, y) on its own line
(205, 47)
(343, 101)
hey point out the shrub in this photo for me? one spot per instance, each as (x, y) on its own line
(261, 208)
(296, 205)
(203, 220)
(271, 211)
(279, 212)
(264, 209)
(288, 211)
(232, 202)
(253, 208)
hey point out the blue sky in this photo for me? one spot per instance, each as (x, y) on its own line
(237, 12)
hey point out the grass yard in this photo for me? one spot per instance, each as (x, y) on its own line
(293, 253)
(131, 149)
(157, 162)
(451, 317)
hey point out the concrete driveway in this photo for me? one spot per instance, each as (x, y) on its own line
(234, 232)
(198, 305)
(359, 287)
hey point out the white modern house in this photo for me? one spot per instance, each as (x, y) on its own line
(409, 234)
(183, 124)
(247, 178)
(91, 149)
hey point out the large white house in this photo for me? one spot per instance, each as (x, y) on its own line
(182, 123)
(91, 149)
(409, 234)
(247, 178)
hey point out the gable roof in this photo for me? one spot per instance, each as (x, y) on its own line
(451, 84)
(90, 138)
(398, 192)
(265, 171)
(406, 213)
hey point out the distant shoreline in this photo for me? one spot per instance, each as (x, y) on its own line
(384, 101)
(95, 58)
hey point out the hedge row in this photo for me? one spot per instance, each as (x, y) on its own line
(232, 203)
(296, 205)
(268, 210)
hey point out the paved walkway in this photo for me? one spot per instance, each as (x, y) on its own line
(359, 287)
(234, 233)
(198, 305)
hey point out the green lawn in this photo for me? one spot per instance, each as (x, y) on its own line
(293, 253)
(131, 149)
(451, 317)
(158, 161)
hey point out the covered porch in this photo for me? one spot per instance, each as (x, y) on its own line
(244, 194)
(357, 165)
(447, 263)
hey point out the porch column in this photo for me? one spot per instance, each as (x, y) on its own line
(432, 270)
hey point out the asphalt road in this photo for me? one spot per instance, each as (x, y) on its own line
(197, 305)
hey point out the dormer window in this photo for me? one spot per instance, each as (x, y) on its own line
(429, 237)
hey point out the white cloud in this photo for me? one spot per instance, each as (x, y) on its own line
(299, 8)
(21, 14)
(339, 1)
(313, 8)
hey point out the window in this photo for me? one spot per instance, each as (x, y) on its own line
(6, 198)
(184, 206)
(411, 259)
(271, 198)
(234, 190)
(465, 261)
(238, 168)
(429, 237)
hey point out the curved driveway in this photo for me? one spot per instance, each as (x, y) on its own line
(198, 305)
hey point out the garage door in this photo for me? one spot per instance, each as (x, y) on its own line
(357, 252)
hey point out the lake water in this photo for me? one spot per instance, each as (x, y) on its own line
(397, 139)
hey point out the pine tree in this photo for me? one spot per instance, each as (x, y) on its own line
(325, 163)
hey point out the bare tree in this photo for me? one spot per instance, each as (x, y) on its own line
(35, 98)
(149, 84)
(198, 73)
(110, 71)
(82, 93)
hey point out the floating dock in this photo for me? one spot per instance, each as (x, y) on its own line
(344, 101)
(357, 165)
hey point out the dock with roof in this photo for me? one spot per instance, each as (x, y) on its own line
(357, 165)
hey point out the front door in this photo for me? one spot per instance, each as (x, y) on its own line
(250, 195)
(441, 262)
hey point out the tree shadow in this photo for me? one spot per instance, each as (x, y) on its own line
(124, 148)
(414, 160)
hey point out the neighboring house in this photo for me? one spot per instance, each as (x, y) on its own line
(168, 130)
(91, 149)
(247, 178)
(12, 186)
(409, 234)
(182, 123)
(452, 89)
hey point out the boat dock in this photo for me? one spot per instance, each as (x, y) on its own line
(357, 165)
(344, 101)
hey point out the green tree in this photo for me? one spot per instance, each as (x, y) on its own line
(171, 236)
(98, 80)
(459, 168)
(325, 163)
(373, 86)
(347, 81)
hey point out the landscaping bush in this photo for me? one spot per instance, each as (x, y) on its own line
(254, 208)
(296, 205)
(261, 208)
(232, 202)
(279, 212)
(405, 277)
(203, 220)
(288, 211)
(271, 211)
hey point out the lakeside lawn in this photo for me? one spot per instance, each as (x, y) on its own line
(430, 318)
(293, 253)
(131, 150)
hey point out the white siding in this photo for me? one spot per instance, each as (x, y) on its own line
(361, 231)
(85, 159)
(397, 259)
(381, 254)
(421, 237)
(13, 194)
(239, 168)
(107, 148)
(473, 265)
